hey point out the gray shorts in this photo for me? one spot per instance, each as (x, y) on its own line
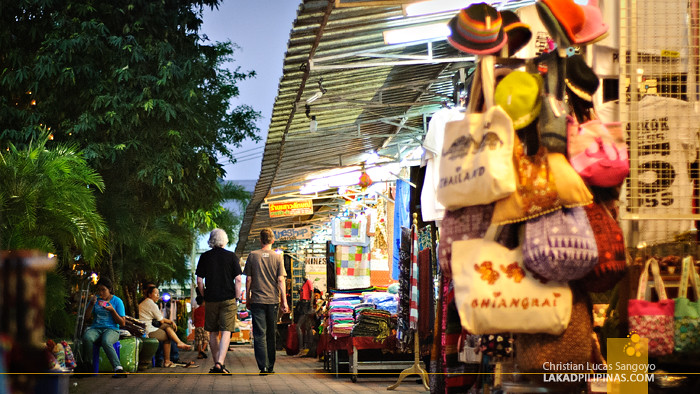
(221, 316)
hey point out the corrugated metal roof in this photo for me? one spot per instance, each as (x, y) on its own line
(370, 103)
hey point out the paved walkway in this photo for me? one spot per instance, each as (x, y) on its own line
(292, 375)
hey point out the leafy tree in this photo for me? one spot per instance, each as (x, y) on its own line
(47, 201)
(145, 97)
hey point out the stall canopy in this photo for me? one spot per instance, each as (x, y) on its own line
(346, 95)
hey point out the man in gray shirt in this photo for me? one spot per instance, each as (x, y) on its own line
(265, 275)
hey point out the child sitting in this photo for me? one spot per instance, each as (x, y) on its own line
(201, 337)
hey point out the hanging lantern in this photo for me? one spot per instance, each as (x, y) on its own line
(365, 180)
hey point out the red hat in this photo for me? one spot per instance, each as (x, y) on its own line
(569, 15)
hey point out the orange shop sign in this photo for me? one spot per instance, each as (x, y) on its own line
(291, 208)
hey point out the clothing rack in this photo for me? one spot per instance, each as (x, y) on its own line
(417, 367)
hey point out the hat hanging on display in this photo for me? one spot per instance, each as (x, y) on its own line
(580, 78)
(518, 33)
(594, 29)
(476, 101)
(519, 95)
(477, 29)
(563, 19)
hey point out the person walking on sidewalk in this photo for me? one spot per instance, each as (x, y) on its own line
(221, 270)
(265, 276)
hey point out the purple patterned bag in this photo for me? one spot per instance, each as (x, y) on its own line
(560, 245)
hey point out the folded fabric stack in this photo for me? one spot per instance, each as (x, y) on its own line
(372, 323)
(341, 312)
(383, 300)
(351, 292)
(363, 306)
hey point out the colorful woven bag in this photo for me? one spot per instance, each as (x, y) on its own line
(611, 250)
(653, 320)
(560, 245)
(687, 314)
(545, 182)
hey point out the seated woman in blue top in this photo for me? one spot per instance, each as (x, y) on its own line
(109, 315)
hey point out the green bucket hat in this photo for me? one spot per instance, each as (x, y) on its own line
(519, 95)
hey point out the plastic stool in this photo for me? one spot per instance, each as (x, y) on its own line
(96, 355)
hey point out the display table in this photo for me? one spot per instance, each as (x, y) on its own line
(331, 346)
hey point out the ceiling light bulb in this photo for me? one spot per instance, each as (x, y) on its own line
(315, 97)
(313, 125)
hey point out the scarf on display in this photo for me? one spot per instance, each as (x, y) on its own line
(401, 219)
(425, 297)
(413, 314)
(404, 289)
(437, 353)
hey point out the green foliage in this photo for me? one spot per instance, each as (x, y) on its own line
(59, 324)
(146, 98)
(47, 201)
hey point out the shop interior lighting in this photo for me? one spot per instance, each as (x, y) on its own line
(431, 32)
(436, 6)
(165, 297)
(343, 177)
(371, 157)
(312, 188)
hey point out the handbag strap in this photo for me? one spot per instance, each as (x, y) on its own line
(688, 269)
(483, 85)
(493, 232)
(644, 279)
(488, 80)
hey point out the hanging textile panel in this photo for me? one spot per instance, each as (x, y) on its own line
(352, 266)
(350, 231)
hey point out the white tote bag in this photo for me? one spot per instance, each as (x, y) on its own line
(476, 164)
(494, 293)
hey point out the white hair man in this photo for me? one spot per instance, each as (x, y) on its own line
(221, 270)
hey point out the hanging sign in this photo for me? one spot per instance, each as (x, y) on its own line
(291, 234)
(291, 208)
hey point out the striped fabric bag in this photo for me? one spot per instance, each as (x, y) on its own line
(413, 313)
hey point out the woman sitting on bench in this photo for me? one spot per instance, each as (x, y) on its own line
(148, 313)
(109, 316)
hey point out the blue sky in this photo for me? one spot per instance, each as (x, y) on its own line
(261, 29)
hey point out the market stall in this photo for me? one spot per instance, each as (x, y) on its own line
(547, 173)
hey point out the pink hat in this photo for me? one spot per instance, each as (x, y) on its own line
(593, 29)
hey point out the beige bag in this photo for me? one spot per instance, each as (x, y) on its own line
(475, 167)
(495, 294)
